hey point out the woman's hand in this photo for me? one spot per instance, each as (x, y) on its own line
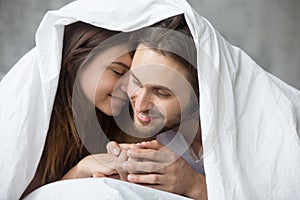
(120, 150)
(159, 167)
(101, 164)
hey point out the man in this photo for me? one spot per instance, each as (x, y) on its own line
(165, 105)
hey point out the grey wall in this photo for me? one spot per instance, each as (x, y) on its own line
(19, 20)
(269, 30)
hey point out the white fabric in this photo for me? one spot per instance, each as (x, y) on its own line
(250, 120)
(95, 189)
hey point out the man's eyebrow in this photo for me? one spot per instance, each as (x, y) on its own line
(121, 64)
(134, 76)
(163, 88)
(160, 87)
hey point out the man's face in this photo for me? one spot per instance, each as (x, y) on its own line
(157, 92)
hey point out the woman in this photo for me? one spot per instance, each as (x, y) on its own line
(63, 147)
(92, 64)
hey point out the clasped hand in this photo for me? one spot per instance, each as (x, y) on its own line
(155, 165)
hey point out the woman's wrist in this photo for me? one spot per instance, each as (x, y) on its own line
(78, 171)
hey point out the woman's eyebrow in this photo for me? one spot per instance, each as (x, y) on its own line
(121, 64)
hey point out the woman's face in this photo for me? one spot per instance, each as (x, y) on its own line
(101, 79)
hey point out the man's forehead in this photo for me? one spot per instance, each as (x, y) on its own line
(155, 61)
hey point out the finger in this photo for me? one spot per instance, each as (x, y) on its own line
(153, 144)
(143, 167)
(163, 155)
(146, 178)
(137, 160)
(125, 146)
(113, 148)
(120, 160)
(98, 175)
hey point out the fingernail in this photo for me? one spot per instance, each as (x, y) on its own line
(129, 152)
(116, 151)
(130, 177)
(125, 166)
(145, 143)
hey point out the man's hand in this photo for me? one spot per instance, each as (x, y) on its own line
(161, 168)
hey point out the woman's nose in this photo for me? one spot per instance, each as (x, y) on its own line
(124, 83)
(124, 87)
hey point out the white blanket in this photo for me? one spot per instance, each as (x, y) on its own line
(99, 188)
(250, 120)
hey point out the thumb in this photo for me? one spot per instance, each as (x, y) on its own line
(113, 148)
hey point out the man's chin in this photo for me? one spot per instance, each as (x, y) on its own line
(148, 131)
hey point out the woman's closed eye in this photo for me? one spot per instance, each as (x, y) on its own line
(118, 70)
(119, 73)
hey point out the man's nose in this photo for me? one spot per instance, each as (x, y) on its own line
(143, 100)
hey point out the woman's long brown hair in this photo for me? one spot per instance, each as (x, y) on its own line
(63, 147)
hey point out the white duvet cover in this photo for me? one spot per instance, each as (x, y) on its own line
(99, 188)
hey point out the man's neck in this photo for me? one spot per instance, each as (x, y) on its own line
(191, 130)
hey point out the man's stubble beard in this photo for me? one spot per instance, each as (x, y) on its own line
(152, 130)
